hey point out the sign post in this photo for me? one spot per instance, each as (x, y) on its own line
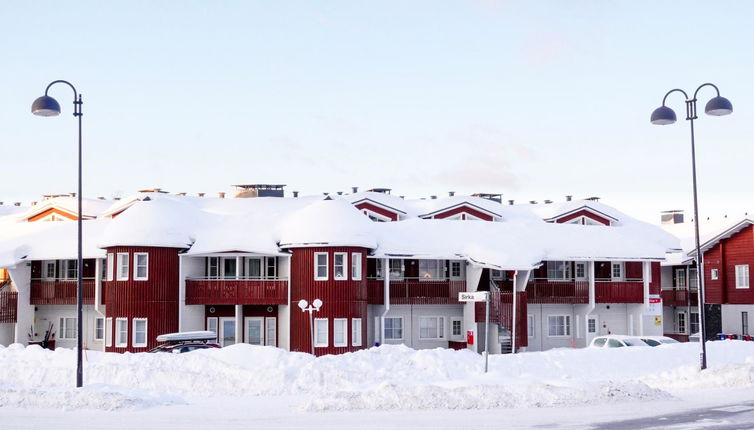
(481, 296)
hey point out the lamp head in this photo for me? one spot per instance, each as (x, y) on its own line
(45, 106)
(718, 106)
(303, 304)
(317, 304)
(663, 115)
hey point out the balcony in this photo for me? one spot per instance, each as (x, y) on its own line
(557, 292)
(629, 291)
(8, 306)
(679, 297)
(60, 291)
(416, 291)
(204, 291)
(501, 312)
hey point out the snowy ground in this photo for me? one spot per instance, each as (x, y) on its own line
(386, 387)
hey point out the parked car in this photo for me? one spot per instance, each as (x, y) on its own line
(616, 341)
(658, 340)
(178, 343)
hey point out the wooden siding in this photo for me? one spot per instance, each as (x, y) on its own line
(55, 211)
(378, 210)
(679, 298)
(60, 292)
(416, 292)
(219, 311)
(655, 283)
(236, 292)
(341, 299)
(725, 256)
(501, 312)
(557, 292)
(619, 292)
(463, 210)
(713, 288)
(155, 299)
(8, 306)
(584, 213)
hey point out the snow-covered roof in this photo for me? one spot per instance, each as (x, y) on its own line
(90, 208)
(551, 211)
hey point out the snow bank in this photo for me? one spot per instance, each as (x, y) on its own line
(388, 377)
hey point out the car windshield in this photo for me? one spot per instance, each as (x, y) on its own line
(614, 343)
(652, 342)
(634, 342)
(600, 341)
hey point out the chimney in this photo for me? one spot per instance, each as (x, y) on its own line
(433, 197)
(671, 217)
(355, 189)
(325, 194)
(402, 197)
(451, 193)
(547, 202)
(594, 199)
(116, 198)
(340, 193)
(200, 194)
(221, 195)
(534, 202)
(17, 204)
(72, 194)
(295, 194)
(33, 203)
(2, 203)
(569, 198)
(181, 194)
(245, 191)
(510, 202)
(100, 198)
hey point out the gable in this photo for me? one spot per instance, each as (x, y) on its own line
(53, 214)
(461, 212)
(585, 216)
(377, 213)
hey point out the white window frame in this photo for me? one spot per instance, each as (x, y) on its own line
(122, 264)
(340, 324)
(454, 336)
(356, 332)
(109, 331)
(356, 266)
(317, 266)
(559, 271)
(110, 266)
(742, 276)
(576, 266)
(693, 316)
(432, 270)
(65, 266)
(45, 273)
(121, 339)
(680, 274)
(271, 331)
(622, 267)
(566, 325)
(134, 343)
(714, 274)
(682, 322)
(99, 331)
(210, 322)
(530, 320)
(384, 329)
(321, 341)
(335, 265)
(247, 332)
(439, 324)
(65, 327)
(136, 266)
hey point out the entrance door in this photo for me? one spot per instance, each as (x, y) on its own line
(592, 327)
(227, 331)
(255, 330)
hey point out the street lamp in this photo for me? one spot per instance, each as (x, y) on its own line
(48, 106)
(305, 307)
(717, 106)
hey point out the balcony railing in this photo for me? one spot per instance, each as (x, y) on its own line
(416, 291)
(203, 291)
(8, 306)
(629, 291)
(558, 292)
(501, 312)
(60, 291)
(679, 297)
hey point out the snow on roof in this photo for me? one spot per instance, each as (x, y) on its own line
(91, 208)
(329, 222)
(711, 230)
(549, 211)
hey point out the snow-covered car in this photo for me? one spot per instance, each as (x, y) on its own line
(658, 340)
(616, 341)
(180, 348)
(178, 343)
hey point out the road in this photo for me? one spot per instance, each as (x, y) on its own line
(734, 416)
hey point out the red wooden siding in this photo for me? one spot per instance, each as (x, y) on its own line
(501, 312)
(217, 311)
(713, 288)
(60, 292)
(620, 292)
(560, 292)
(463, 210)
(236, 292)
(378, 210)
(55, 211)
(655, 283)
(584, 213)
(725, 256)
(155, 299)
(679, 298)
(416, 292)
(8, 306)
(341, 299)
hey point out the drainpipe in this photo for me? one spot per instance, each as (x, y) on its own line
(386, 287)
(647, 268)
(525, 280)
(98, 284)
(592, 302)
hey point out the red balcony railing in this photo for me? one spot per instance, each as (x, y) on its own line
(8, 306)
(619, 291)
(559, 292)
(416, 291)
(236, 292)
(679, 298)
(501, 312)
(60, 291)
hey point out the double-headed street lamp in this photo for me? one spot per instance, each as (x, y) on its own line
(314, 307)
(48, 106)
(717, 106)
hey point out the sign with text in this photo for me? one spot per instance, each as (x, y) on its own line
(654, 307)
(479, 296)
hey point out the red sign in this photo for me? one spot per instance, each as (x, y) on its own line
(470, 337)
(655, 300)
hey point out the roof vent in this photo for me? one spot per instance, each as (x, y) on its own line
(200, 194)
(671, 217)
(259, 190)
(355, 189)
(116, 198)
(451, 193)
(340, 193)
(328, 198)
(2, 203)
(221, 195)
(534, 202)
(17, 204)
(100, 198)
(146, 199)
(569, 198)
(181, 194)
(380, 190)
(72, 194)
(494, 197)
(33, 203)
(547, 202)
(402, 197)
(153, 190)
(510, 202)
(295, 194)
(433, 197)
(594, 199)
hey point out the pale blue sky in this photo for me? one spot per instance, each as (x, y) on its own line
(534, 100)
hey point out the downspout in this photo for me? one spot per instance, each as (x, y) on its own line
(515, 298)
(98, 285)
(592, 301)
(386, 287)
(646, 273)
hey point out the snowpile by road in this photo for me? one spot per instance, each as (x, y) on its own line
(384, 378)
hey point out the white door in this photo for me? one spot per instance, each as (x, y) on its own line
(254, 330)
(592, 327)
(271, 338)
(227, 331)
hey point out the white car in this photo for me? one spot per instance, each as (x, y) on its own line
(616, 341)
(658, 340)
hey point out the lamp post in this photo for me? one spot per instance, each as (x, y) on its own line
(663, 115)
(48, 106)
(306, 307)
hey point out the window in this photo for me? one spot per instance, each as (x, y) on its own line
(694, 322)
(48, 271)
(455, 269)
(340, 266)
(432, 328)
(616, 271)
(141, 266)
(356, 331)
(99, 328)
(340, 328)
(229, 268)
(212, 325)
(394, 328)
(213, 267)
(744, 323)
(396, 269)
(714, 274)
(742, 276)
(559, 270)
(110, 266)
(140, 332)
(497, 274)
(67, 328)
(530, 325)
(681, 322)
(591, 325)
(431, 269)
(109, 332)
(456, 328)
(558, 325)
(271, 267)
(69, 269)
(123, 266)
(271, 324)
(356, 266)
(320, 266)
(121, 332)
(321, 332)
(580, 271)
(692, 280)
(680, 279)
